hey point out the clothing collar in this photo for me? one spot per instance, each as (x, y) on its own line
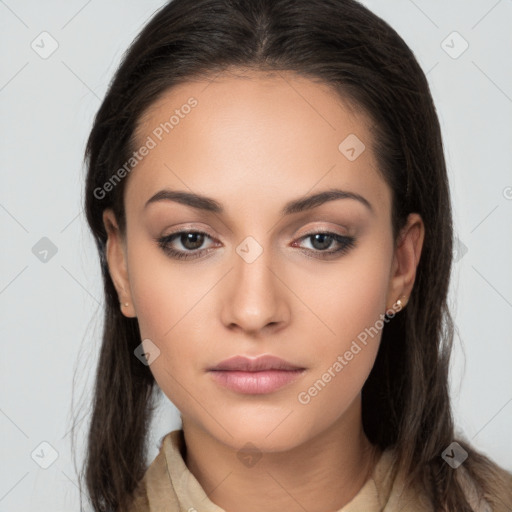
(173, 485)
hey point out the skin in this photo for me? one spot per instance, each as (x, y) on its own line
(253, 143)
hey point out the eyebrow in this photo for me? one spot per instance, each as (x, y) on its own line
(208, 204)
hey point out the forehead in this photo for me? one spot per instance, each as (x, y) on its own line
(256, 134)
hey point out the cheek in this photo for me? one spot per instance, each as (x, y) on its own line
(164, 293)
(352, 313)
(351, 299)
(171, 304)
(344, 360)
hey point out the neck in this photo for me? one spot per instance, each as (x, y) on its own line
(320, 475)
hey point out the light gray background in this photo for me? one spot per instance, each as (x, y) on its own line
(51, 311)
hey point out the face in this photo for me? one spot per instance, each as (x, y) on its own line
(246, 274)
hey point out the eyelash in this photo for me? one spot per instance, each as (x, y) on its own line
(347, 242)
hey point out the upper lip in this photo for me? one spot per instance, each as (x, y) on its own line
(261, 363)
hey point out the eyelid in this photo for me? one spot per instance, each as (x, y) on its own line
(314, 231)
(189, 226)
(326, 226)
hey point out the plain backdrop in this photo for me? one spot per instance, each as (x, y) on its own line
(50, 287)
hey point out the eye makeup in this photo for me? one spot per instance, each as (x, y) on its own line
(321, 242)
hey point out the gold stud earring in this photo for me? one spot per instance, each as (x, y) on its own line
(125, 304)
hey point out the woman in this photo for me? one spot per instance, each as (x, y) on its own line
(268, 193)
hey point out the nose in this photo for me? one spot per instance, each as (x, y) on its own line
(254, 298)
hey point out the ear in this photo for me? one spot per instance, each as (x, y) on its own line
(117, 266)
(405, 261)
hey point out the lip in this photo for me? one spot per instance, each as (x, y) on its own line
(254, 364)
(260, 375)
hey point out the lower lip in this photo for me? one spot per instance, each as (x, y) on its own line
(255, 383)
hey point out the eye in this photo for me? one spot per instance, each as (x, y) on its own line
(322, 240)
(190, 240)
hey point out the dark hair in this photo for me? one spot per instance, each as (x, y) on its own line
(340, 43)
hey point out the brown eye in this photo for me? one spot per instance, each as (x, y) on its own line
(190, 241)
(322, 240)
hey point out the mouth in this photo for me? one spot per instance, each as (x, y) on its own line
(256, 376)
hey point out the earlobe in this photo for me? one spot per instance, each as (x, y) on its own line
(115, 254)
(406, 260)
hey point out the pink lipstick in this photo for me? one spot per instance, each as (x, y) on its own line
(256, 376)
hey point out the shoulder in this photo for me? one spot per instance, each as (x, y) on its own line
(139, 500)
(394, 495)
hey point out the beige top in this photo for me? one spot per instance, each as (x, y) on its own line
(169, 486)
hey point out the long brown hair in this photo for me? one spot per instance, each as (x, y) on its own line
(340, 43)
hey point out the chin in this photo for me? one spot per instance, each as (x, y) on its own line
(269, 434)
